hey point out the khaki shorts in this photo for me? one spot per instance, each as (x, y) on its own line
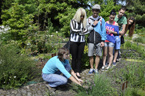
(92, 51)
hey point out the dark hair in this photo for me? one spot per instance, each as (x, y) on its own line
(122, 8)
(62, 51)
(113, 12)
(130, 27)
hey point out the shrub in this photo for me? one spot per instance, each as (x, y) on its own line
(15, 68)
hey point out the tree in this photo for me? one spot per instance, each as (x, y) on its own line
(19, 21)
(137, 9)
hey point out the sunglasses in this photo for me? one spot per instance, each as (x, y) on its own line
(97, 10)
(82, 16)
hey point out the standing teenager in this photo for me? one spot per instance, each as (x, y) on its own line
(96, 38)
(122, 21)
(77, 39)
(112, 29)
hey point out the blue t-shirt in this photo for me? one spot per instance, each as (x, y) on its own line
(111, 37)
(54, 65)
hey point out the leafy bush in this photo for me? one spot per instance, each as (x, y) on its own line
(100, 87)
(15, 68)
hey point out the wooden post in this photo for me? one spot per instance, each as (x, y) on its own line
(124, 86)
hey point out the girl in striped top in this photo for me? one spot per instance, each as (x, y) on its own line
(77, 39)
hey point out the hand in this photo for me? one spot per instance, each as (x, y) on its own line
(81, 81)
(95, 22)
(121, 33)
(110, 31)
(102, 44)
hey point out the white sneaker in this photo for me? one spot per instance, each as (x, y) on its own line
(108, 67)
(96, 71)
(103, 67)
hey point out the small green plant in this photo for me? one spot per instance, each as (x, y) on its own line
(100, 87)
(134, 92)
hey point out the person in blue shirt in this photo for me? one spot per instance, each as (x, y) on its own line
(112, 30)
(96, 38)
(56, 70)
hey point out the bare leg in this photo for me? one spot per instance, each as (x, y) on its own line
(110, 55)
(97, 60)
(115, 55)
(104, 55)
(91, 61)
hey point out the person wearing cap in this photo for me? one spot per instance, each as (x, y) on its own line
(96, 38)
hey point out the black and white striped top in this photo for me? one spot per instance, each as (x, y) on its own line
(77, 31)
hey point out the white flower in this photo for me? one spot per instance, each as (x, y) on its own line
(56, 31)
(14, 76)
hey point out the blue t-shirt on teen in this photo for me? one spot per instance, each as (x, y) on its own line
(54, 65)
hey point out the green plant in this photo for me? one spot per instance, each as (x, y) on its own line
(134, 92)
(15, 68)
(133, 73)
(85, 58)
(101, 86)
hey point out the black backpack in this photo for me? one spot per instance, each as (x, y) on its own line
(94, 37)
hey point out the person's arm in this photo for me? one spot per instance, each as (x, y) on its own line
(72, 26)
(111, 31)
(60, 66)
(89, 25)
(74, 80)
(103, 33)
(85, 31)
(123, 30)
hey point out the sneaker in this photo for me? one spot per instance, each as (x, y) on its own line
(108, 67)
(96, 71)
(91, 71)
(103, 67)
(114, 63)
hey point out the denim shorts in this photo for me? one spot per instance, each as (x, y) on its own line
(109, 44)
(117, 43)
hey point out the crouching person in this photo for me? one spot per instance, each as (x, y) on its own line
(56, 70)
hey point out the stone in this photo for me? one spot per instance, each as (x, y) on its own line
(23, 91)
